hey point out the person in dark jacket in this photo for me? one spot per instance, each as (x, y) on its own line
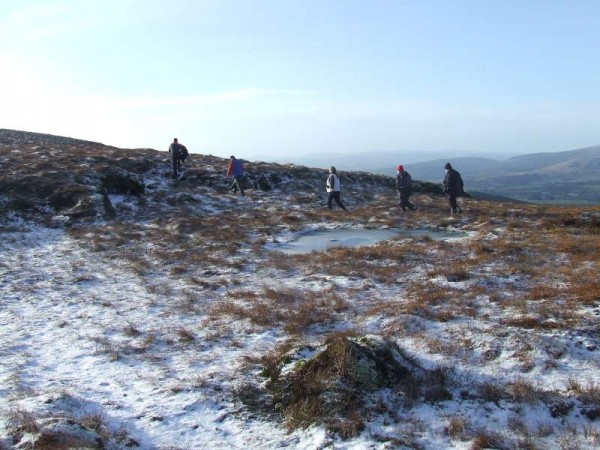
(404, 188)
(178, 153)
(453, 187)
(236, 170)
(333, 188)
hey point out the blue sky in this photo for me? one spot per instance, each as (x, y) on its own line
(280, 78)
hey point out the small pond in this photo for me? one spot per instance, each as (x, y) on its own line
(324, 239)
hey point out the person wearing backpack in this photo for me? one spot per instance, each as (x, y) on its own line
(333, 188)
(404, 188)
(453, 187)
(178, 153)
(236, 169)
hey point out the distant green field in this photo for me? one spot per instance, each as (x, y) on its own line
(564, 193)
(563, 202)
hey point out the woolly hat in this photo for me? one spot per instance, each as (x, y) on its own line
(400, 168)
(447, 166)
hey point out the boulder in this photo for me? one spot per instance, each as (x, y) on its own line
(91, 206)
(61, 434)
(330, 384)
(69, 195)
(119, 181)
(263, 183)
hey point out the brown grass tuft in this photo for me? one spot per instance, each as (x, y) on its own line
(588, 393)
(523, 391)
(22, 421)
(486, 440)
(456, 428)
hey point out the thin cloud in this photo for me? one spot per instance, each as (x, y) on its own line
(217, 98)
(32, 23)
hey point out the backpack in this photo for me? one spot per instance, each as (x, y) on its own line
(183, 153)
(407, 180)
(460, 183)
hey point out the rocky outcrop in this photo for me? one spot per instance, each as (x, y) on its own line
(61, 434)
(78, 201)
(68, 195)
(119, 181)
(92, 206)
(331, 384)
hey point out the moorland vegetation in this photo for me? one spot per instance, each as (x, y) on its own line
(177, 288)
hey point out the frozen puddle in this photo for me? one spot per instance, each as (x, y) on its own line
(322, 240)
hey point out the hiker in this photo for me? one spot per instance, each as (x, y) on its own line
(236, 169)
(178, 153)
(404, 188)
(453, 187)
(333, 189)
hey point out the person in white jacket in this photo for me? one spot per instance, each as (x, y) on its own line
(333, 189)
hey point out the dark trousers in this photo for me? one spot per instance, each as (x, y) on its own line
(237, 184)
(176, 167)
(404, 203)
(334, 196)
(454, 208)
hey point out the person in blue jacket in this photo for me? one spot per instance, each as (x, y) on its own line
(236, 169)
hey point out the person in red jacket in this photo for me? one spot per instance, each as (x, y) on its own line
(236, 169)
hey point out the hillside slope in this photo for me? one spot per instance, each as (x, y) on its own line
(56, 178)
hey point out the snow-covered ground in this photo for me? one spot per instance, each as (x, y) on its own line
(82, 333)
(66, 317)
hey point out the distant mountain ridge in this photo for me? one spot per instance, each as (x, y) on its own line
(569, 176)
(373, 161)
(582, 162)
